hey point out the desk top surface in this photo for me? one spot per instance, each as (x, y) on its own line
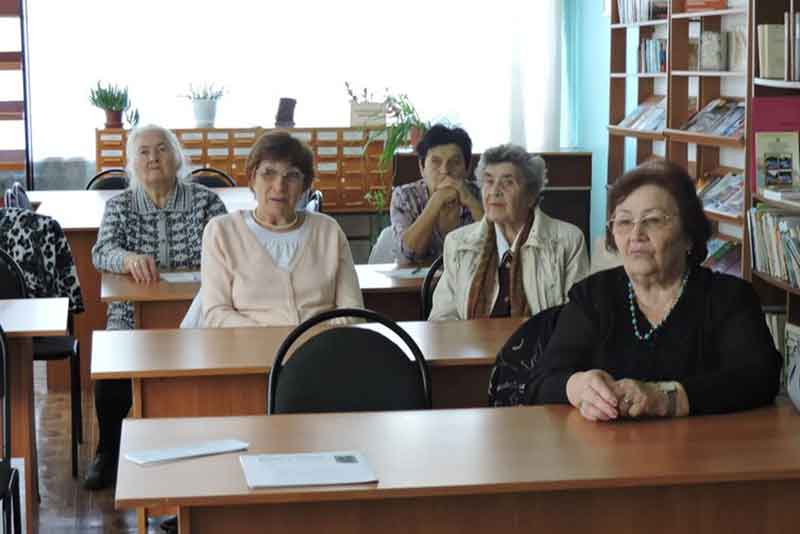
(462, 452)
(83, 210)
(34, 317)
(217, 351)
(372, 278)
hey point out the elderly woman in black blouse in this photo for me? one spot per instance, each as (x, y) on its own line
(661, 335)
(155, 225)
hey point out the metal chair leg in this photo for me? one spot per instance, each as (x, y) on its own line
(75, 418)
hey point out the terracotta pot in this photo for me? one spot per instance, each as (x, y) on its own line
(113, 118)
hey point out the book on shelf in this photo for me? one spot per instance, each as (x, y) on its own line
(790, 348)
(771, 114)
(649, 116)
(721, 117)
(653, 55)
(784, 195)
(797, 47)
(713, 50)
(726, 258)
(693, 63)
(631, 11)
(777, 157)
(775, 242)
(725, 196)
(771, 51)
(737, 48)
(705, 5)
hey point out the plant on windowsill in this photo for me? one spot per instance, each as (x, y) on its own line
(405, 129)
(113, 100)
(204, 103)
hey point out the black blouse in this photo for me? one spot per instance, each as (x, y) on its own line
(715, 342)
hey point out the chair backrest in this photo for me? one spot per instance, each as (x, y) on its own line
(211, 177)
(4, 398)
(428, 285)
(348, 369)
(515, 366)
(314, 201)
(16, 197)
(12, 279)
(383, 250)
(109, 179)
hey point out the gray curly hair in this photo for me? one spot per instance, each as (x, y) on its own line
(531, 167)
(182, 165)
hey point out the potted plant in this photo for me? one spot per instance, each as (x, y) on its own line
(405, 129)
(364, 110)
(204, 103)
(113, 100)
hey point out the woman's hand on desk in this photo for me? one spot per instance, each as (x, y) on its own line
(141, 267)
(639, 399)
(593, 393)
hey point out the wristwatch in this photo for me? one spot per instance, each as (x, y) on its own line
(671, 389)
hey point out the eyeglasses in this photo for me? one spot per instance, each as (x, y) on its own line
(649, 224)
(504, 183)
(292, 176)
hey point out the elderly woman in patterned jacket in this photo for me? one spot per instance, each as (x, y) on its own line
(157, 224)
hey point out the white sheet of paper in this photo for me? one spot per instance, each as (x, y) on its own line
(306, 469)
(181, 278)
(407, 272)
(207, 448)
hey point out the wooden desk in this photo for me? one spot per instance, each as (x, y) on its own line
(79, 213)
(163, 304)
(22, 320)
(542, 469)
(223, 371)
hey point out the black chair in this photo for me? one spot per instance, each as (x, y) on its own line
(348, 369)
(9, 477)
(12, 286)
(109, 179)
(211, 177)
(314, 201)
(429, 284)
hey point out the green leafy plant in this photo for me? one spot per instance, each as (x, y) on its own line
(377, 199)
(132, 117)
(361, 97)
(204, 92)
(404, 123)
(110, 97)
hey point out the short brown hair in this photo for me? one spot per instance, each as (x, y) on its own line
(281, 146)
(676, 181)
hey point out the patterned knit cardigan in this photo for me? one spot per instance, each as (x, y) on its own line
(172, 235)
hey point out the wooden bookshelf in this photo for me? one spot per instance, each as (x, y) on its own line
(625, 79)
(772, 290)
(683, 136)
(638, 134)
(709, 73)
(713, 13)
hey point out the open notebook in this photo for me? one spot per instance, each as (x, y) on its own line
(306, 469)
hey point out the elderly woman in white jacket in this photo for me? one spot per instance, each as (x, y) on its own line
(517, 260)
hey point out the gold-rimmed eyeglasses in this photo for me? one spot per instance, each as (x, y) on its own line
(653, 222)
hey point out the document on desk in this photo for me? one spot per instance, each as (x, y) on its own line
(182, 277)
(306, 469)
(206, 448)
(406, 272)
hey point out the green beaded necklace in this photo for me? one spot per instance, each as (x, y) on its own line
(632, 306)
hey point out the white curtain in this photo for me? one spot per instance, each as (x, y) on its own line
(493, 68)
(535, 96)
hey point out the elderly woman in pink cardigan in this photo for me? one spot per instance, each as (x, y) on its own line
(274, 265)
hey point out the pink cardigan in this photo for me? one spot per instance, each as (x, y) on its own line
(242, 286)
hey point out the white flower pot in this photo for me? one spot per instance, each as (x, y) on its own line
(367, 114)
(205, 110)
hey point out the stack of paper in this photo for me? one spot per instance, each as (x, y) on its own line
(306, 469)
